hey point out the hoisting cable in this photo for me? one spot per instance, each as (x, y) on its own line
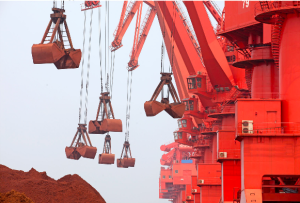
(100, 50)
(82, 65)
(128, 105)
(88, 69)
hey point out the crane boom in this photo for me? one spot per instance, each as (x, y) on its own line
(124, 23)
(212, 53)
(145, 27)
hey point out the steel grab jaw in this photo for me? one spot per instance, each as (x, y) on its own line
(106, 158)
(152, 108)
(107, 125)
(70, 60)
(72, 153)
(125, 162)
(46, 53)
(176, 110)
(87, 151)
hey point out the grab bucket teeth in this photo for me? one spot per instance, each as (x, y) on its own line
(153, 108)
(106, 158)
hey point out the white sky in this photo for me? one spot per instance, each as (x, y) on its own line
(39, 104)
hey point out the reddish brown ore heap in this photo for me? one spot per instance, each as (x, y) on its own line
(41, 188)
(14, 196)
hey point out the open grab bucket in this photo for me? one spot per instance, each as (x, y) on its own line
(153, 107)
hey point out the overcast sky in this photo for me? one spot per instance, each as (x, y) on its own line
(39, 104)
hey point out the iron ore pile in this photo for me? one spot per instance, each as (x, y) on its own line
(34, 186)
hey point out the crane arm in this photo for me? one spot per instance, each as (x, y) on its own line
(216, 64)
(145, 27)
(124, 23)
(214, 11)
(181, 38)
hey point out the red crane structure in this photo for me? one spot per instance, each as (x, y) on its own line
(238, 136)
(239, 86)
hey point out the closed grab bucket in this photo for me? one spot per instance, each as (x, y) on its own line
(107, 125)
(105, 158)
(152, 108)
(72, 153)
(125, 162)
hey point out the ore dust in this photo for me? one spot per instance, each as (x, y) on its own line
(34, 186)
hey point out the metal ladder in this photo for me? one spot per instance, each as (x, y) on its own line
(275, 39)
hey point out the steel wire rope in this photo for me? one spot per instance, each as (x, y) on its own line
(128, 105)
(112, 73)
(105, 37)
(82, 66)
(100, 50)
(88, 69)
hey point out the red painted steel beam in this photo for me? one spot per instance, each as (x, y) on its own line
(133, 63)
(117, 43)
(180, 71)
(150, 3)
(185, 46)
(214, 59)
(213, 12)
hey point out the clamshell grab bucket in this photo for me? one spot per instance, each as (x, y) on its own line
(81, 145)
(176, 110)
(46, 53)
(107, 125)
(152, 108)
(72, 153)
(126, 160)
(57, 50)
(105, 158)
(87, 151)
(107, 122)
